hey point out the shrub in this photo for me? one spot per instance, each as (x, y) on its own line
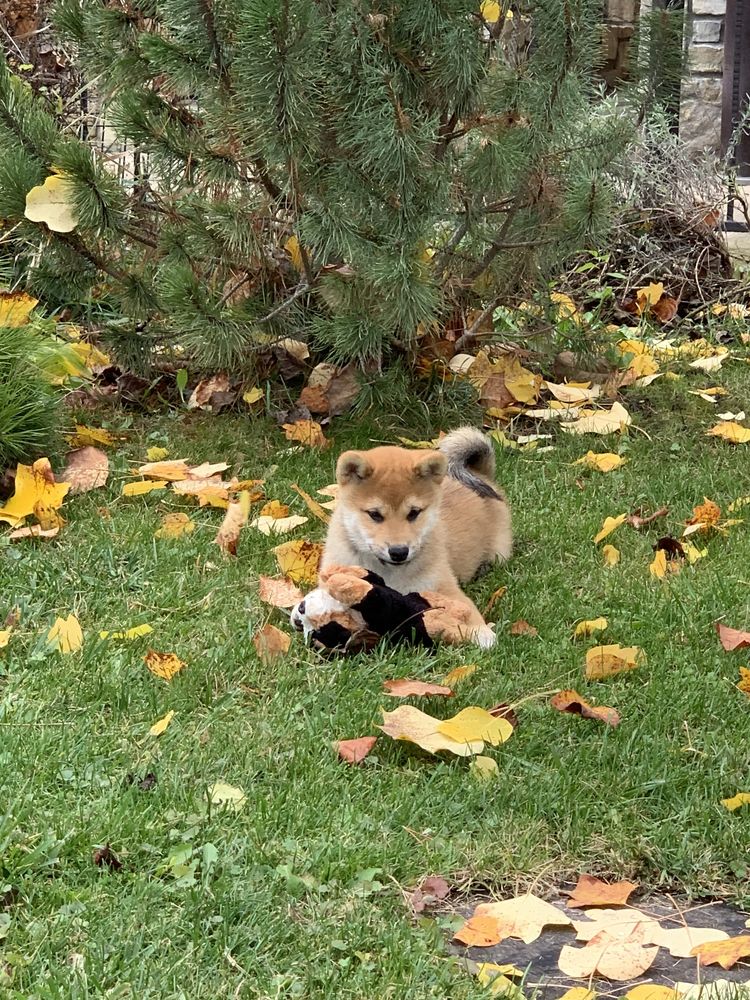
(28, 408)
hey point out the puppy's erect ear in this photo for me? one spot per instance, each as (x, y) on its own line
(433, 465)
(352, 466)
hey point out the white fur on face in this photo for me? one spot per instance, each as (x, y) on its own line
(361, 542)
(319, 605)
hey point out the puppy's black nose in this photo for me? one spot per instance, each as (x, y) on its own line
(301, 608)
(398, 553)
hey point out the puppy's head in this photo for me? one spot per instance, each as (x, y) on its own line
(389, 500)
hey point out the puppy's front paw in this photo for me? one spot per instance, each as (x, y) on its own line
(484, 637)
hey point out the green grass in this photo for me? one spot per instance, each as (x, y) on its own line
(281, 903)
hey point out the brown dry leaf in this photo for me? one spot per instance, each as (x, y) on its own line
(200, 397)
(523, 917)
(732, 638)
(307, 432)
(405, 688)
(87, 469)
(174, 526)
(429, 891)
(502, 710)
(639, 520)
(479, 932)
(312, 505)
(34, 531)
(572, 702)
(591, 891)
(665, 309)
(235, 519)
(274, 508)
(730, 431)
(724, 953)
(616, 960)
(145, 486)
(270, 643)
(355, 751)
(494, 597)
(330, 389)
(164, 665)
(522, 627)
(299, 560)
(605, 661)
(35, 490)
(281, 593)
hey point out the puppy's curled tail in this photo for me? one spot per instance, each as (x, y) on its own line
(471, 460)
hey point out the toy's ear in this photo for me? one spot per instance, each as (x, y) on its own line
(351, 467)
(433, 465)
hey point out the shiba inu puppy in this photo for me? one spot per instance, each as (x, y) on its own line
(423, 520)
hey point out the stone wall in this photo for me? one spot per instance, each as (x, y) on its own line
(700, 104)
(619, 25)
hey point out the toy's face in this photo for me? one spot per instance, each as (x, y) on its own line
(389, 500)
(318, 612)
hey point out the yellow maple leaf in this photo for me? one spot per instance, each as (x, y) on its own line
(566, 307)
(586, 628)
(161, 725)
(175, 526)
(731, 431)
(146, 486)
(35, 488)
(66, 635)
(490, 10)
(648, 295)
(658, 567)
(611, 555)
(604, 661)
(16, 308)
(85, 437)
(252, 396)
(605, 461)
(610, 523)
(475, 723)
(307, 432)
(299, 560)
(164, 665)
(53, 203)
(643, 365)
(274, 508)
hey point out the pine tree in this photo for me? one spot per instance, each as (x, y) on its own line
(349, 172)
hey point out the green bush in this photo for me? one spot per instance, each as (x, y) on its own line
(28, 408)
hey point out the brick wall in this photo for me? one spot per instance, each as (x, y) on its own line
(700, 104)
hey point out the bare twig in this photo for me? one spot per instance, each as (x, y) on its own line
(301, 288)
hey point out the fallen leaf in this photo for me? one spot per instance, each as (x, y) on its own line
(330, 390)
(53, 203)
(34, 488)
(580, 993)
(355, 751)
(484, 768)
(164, 665)
(429, 891)
(221, 794)
(131, 633)
(206, 470)
(738, 504)
(479, 932)
(523, 917)
(86, 469)
(603, 461)
(705, 516)
(591, 891)
(270, 644)
(34, 531)
(740, 799)
(299, 560)
(235, 518)
(490, 11)
(711, 363)
(407, 689)
(573, 393)
(201, 396)
(729, 430)
(464, 735)
(523, 628)
(692, 553)
(459, 674)
(611, 555)
(138, 489)
(732, 416)
(156, 454)
(658, 566)
(292, 247)
(665, 309)
(605, 661)
(494, 597)
(652, 991)
(312, 504)
(5, 637)
(474, 723)
(252, 396)
(586, 628)
(66, 635)
(105, 857)
(160, 727)
(724, 953)
(174, 526)
(732, 638)
(274, 508)
(610, 523)
(681, 941)
(572, 702)
(281, 593)
(85, 437)
(600, 421)
(174, 469)
(278, 525)
(16, 308)
(629, 925)
(307, 432)
(649, 295)
(616, 960)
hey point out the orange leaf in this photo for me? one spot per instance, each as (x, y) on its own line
(479, 932)
(732, 638)
(725, 953)
(405, 689)
(354, 751)
(523, 628)
(591, 891)
(274, 509)
(279, 593)
(665, 309)
(270, 643)
(572, 702)
(494, 597)
(164, 665)
(707, 515)
(307, 432)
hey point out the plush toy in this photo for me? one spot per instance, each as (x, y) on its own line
(352, 609)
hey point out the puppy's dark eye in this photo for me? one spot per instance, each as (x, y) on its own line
(376, 516)
(413, 513)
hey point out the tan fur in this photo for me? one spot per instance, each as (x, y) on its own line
(455, 534)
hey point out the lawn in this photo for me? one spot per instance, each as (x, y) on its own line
(301, 893)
